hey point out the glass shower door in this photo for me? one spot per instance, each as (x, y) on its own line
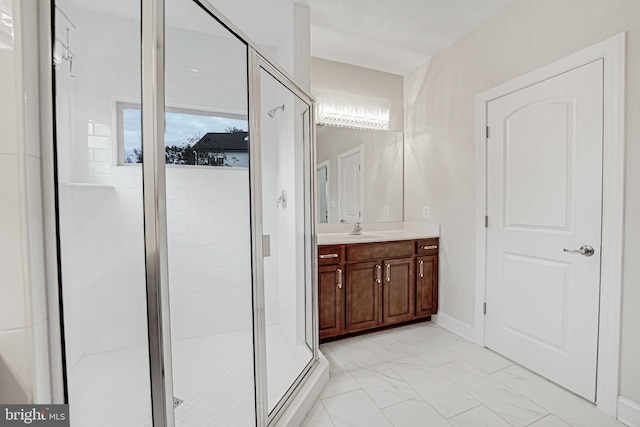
(208, 219)
(187, 272)
(286, 221)
(100, 213)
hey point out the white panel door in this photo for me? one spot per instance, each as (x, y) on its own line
(350, 185)
(544, 187)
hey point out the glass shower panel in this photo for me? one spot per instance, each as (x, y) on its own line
(208, 217)
(102, 260)
(284, 121)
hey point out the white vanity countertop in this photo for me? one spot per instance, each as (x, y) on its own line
(376, 232)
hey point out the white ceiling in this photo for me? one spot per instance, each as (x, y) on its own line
(394, 36)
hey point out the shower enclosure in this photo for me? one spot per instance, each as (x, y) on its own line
(184, 218)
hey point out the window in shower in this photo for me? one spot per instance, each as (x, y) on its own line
(193, 137)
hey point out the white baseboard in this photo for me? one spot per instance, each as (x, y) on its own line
(628, 412)
(454, 325)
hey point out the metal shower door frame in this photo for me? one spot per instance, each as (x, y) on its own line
(155, 212)
(257, 63)
(155, 216)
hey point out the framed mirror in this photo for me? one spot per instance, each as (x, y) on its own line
(359, 175)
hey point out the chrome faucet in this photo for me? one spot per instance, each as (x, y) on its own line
(357, 229)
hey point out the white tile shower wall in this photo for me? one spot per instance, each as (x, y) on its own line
(102, 267)
(209, 250)
(12, 314)
(209, 257)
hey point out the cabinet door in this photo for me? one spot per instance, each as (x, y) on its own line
(331, 293)
(363, 295)
(426, 286)
(399, 290)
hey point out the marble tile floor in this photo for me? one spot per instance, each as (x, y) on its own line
(424, 375)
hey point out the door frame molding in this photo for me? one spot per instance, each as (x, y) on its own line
(320, 165)
(612, 51)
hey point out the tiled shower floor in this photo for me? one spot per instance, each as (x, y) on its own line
(213, 375)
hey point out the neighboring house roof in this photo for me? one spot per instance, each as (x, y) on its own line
(223, 141)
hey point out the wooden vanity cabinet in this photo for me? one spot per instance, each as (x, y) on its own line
(331, 291)
(399, 290)
(331, 294)
(364, 295)
(366, 286)
(426, 285)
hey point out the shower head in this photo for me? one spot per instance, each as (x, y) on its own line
(272, 113)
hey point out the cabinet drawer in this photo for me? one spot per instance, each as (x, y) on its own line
(328, 255)
(428, 247)
(383, 250)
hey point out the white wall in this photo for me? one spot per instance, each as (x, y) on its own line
(270, 24)
(440, 139)
(24, 365)
(357, 85)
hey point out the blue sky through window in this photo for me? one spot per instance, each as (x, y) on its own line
(181, 129)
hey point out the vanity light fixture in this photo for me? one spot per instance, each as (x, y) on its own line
(337, 113)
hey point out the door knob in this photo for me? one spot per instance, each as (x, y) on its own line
(585, 250)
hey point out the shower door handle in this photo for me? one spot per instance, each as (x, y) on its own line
(266, 245)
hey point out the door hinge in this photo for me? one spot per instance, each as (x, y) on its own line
(486, 221)
(484, 308)
(487, 132)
